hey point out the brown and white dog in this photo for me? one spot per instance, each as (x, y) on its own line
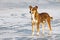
(38, 18)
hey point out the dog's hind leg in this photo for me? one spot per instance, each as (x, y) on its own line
(49, 25)
(43, 27)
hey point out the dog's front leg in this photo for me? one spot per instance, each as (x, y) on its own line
(32, 27)
(43, 27)
(38, 28)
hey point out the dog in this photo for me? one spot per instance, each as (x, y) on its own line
(38, 18)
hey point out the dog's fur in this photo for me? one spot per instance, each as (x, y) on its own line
(38, 18)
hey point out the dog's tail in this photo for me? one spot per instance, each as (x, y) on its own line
(51, 18)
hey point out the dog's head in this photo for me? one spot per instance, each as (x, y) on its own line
(33, 9)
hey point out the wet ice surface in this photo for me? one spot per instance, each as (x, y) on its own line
(15, 24)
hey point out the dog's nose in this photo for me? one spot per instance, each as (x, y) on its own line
(30, 11)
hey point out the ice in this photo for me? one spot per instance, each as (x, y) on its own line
(15, 24)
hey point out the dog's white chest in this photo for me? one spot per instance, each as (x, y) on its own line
(34, 18)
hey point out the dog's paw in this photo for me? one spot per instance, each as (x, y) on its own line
(38, 33)
(32, 33)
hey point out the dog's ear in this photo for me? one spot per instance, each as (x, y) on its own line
(36, 7)
(30, 6)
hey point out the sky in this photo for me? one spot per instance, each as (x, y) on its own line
(26, 3)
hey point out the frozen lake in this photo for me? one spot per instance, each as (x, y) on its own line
(15, 24)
